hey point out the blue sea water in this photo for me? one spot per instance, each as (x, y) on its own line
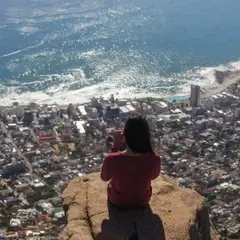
(155, 47)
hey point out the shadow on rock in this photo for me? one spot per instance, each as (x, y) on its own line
(131, 224)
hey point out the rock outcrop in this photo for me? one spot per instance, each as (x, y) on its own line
(175, 213)
(222, 75)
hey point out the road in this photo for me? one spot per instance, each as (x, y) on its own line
(218, 88)
(28, 164)
(35, 139)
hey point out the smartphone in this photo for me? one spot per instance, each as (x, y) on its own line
(123, 147)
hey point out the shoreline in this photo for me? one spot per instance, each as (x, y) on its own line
(82, 96)
(217, 88)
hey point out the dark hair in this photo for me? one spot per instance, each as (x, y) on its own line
(137, 135)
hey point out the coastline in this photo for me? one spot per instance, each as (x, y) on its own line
(82, 96)
(217, 88)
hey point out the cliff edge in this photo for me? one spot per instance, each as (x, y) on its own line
(174, 214)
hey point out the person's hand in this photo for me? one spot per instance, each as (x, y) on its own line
(118, 139)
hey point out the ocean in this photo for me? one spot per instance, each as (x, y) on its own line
(68, 51)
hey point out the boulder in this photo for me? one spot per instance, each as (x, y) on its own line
(174, 213)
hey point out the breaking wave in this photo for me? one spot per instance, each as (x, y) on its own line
(21, 50)
(60, 91)
(131, 50)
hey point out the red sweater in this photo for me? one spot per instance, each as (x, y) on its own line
(130, 178)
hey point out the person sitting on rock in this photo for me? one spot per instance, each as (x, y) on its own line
(130, 172)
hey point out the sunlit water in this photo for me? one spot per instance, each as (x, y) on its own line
(66, 50)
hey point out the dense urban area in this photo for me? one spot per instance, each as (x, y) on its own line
(43, 147)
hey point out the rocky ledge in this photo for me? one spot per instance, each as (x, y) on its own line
(175, 213)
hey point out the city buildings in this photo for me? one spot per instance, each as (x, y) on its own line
(195, 95)
(44, 147)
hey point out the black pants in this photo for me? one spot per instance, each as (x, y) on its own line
(112, 206)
